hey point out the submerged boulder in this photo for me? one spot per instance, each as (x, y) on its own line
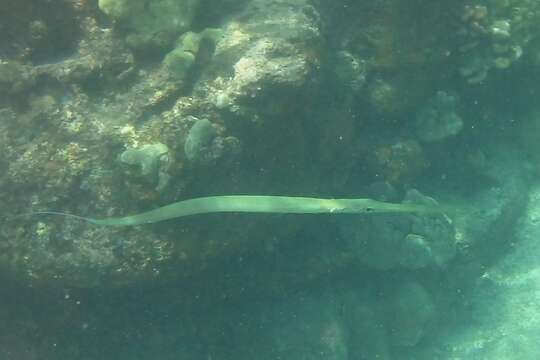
(154, 23)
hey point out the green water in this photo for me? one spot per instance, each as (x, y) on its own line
(423, 111)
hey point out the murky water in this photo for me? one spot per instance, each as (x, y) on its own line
(388, 150)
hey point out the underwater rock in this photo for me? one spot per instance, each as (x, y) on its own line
(40, 32)
(152, 161)
(475, 69)
(417, 252)
(350, 70)
(398, 161)
(384, 97)
(308, 327)
(432, 236)
(100, 57)
(488, 216)
(203, 145)
(15, 77)
(271, 48)
(439, 119)
(413, 310)
(412, 241)
(154, 23)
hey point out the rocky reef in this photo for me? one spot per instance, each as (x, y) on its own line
(115, 107)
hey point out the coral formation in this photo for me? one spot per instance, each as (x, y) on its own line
(438, 119)
(179, 62)
(152, 161)
(495, 35)
(115, 107)
(199, 140)
(411, 242)
(398, 161)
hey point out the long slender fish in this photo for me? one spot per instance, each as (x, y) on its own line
(255, 204)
